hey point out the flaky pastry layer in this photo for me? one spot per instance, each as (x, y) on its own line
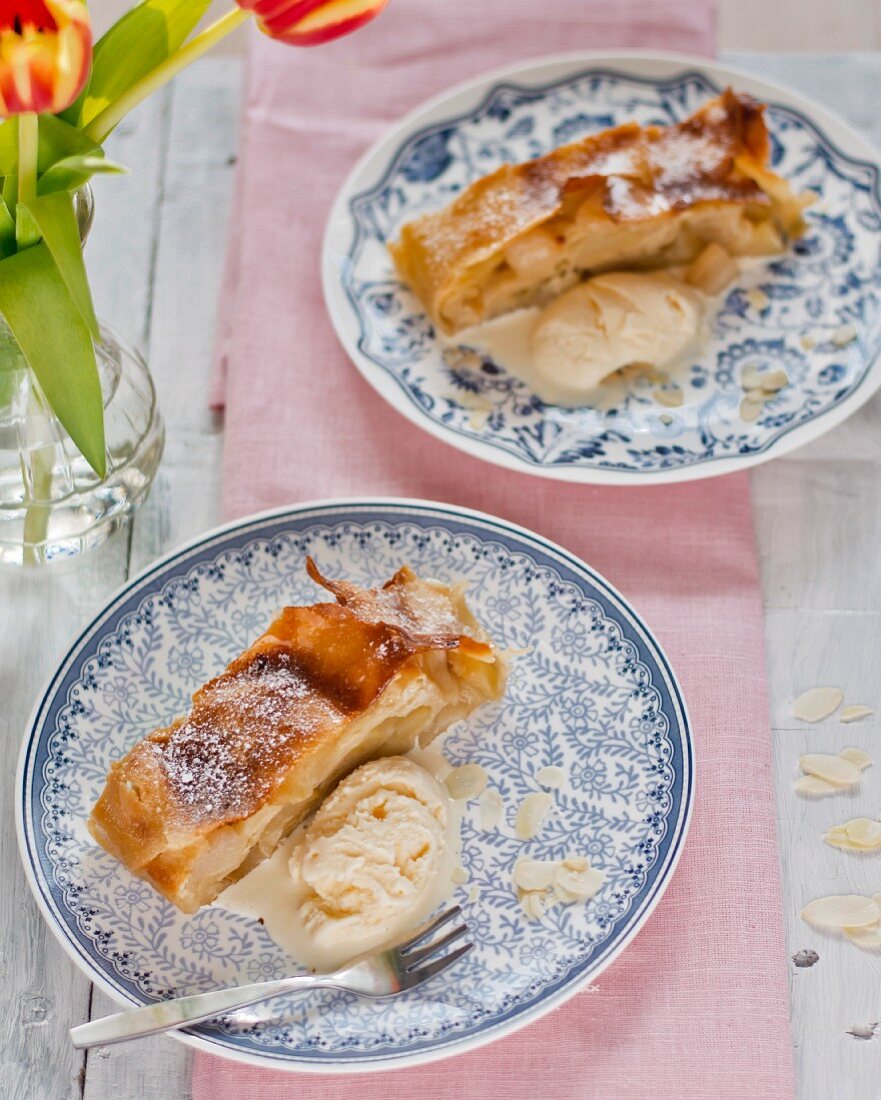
(636, 197)
(196, 805)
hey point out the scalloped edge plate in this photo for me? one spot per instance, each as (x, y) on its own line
(466, 97)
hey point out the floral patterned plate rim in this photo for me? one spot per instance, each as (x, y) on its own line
(593, 695)
(788, 312)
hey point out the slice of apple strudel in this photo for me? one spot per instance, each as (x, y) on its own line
(195, 806)
(628, 197)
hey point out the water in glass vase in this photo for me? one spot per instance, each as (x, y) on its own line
(52, 504)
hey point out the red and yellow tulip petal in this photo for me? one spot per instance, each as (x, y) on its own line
(45, 54)
(312, 22)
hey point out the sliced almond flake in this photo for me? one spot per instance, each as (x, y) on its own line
(864, 832)
(810, 784)
(858, 757)
(867, 938)
(551, 777)
(491, 809)
(758, 299)
(833, 769)
(775, 380)
(459, 875)
(817, 704)
(859, 834)
(575, 863)
(532, 813)
(564, 895)
(581, 885)
(808, 342)
(750, 410)
(467, 781)
(672, 397)
(842, 911)
(855, 712)
(666, 419)
(532, 904)
(844, 335)
(534, 874)
(474, 894)
(751, 377)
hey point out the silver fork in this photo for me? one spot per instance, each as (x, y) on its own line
(381, 974)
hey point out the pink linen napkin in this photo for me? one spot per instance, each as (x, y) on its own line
(697, 1006)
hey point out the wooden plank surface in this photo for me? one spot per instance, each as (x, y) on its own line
(818, 526)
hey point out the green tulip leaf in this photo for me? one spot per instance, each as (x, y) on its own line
(61, 354)
(27, 232)
(143, 38)
(56, 139)
(56, 222)
(7, 232)
(69, 173)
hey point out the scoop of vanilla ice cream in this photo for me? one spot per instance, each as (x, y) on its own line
(607, 323)
(369, 860)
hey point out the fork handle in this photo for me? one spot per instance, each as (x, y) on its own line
(168, 1015)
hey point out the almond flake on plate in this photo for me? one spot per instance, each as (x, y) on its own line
(775, 380)
(467, 781)
(532, 813)
(810, 784)
(459, 875)
(551, 777)
(532, 903)
(534, 874)
(491, 808)
(844, 335)
(750, 410)
(817, 704)
(831, 768)
(855, 712)
(574, 882)
(842, 911)
(858, 757)
(758, 299)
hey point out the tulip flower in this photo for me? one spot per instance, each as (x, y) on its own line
(297, 22)
(45, 52)
(311, 22)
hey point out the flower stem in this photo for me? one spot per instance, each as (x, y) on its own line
(102, 124)
(28, 135)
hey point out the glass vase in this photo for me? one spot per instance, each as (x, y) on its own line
(52, 504)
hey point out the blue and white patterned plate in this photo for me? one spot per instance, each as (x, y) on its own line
(829, 280)
(593, 695)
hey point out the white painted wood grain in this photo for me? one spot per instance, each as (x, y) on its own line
(818, 525)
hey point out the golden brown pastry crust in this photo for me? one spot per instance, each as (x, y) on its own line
(193, 806)
(626, 175)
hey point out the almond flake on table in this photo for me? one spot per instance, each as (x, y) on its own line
(855, 712)
(858, 834)
(842, 911)
(817, 704)
(833, 769)
(811, 784)
(858, 757)
(867, 938)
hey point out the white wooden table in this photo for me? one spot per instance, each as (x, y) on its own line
(818, 517)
